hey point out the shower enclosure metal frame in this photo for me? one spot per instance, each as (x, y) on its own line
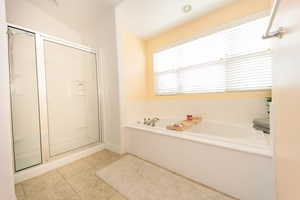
(42, 90)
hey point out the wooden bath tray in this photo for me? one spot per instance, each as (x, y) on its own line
(186, 124)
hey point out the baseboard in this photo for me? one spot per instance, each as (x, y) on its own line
(41, 169)
(113, 147)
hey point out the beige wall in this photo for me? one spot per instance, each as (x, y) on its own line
(135, 56)
(6, 154)
(134, 59)
(197, 27)
(133, 82)
(286, 94)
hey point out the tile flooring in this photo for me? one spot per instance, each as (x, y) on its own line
(138, 179)
(75, 181)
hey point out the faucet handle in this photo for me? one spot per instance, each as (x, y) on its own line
(145, 120)
(153, 124)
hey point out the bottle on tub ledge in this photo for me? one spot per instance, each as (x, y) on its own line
(263, 124)
(189, 117)
(268, 103)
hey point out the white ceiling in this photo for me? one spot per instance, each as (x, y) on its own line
(77, 14)
(147, 18)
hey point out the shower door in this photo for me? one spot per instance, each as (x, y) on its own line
(24, 98)
(72, 97)
(54, 97)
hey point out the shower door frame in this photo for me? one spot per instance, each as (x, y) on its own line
(40, 38)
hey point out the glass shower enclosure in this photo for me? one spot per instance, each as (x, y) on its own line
(55, 99)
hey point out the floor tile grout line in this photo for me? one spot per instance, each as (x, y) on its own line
(112, 161)
(66, 180)
(62, 176)
(22, 190)
(73, 189)
(113, 187)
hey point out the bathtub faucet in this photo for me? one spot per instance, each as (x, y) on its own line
(151, 122)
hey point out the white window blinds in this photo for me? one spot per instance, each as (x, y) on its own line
(232, 60)
(248, 57)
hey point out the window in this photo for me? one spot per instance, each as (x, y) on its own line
(236, 59)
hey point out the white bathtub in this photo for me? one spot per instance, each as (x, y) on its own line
(234, 159)
(228, 135)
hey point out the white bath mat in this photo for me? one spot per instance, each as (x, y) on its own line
(139, 180)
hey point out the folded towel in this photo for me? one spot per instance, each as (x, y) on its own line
(259, 128)
(265, 123)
